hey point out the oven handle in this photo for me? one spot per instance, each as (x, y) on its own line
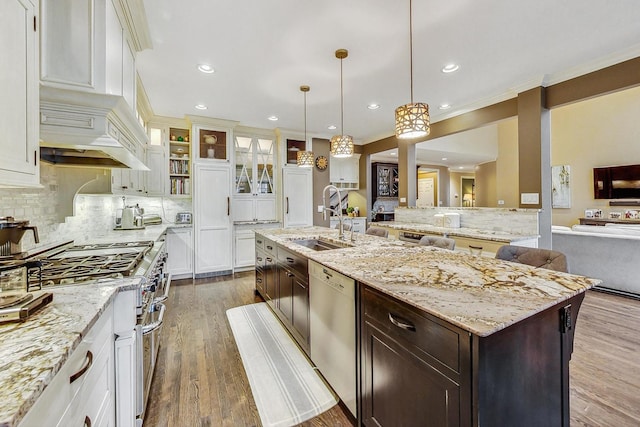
(164, 297)
(153, 326)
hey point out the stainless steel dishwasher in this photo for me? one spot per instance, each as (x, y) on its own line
(333, 330)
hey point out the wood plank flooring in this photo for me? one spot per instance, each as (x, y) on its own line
(200, 380)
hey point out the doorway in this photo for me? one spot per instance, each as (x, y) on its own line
(468, 190)
(427, 188)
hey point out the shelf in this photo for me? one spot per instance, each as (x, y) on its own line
(184, 175)
(185, 159)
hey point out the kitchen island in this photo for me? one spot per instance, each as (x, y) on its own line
(476, 341)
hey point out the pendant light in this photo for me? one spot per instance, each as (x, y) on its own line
(412, 120)
(305, 158)
(341, 145)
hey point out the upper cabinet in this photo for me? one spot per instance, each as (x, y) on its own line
(254, 187)
(88, 82)
(344, 173)
(19, 132)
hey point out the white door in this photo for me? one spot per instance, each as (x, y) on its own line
(298, 196)
(213, 231)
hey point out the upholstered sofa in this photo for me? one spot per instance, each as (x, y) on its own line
(610, 253)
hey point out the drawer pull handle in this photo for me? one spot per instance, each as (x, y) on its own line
(269, 259)
(259, 242)
(290, 260)
(87, 421)
(258, 280)
(85, 368)
(259, 259)
(289, 274)
(402, 324)
(270, 247)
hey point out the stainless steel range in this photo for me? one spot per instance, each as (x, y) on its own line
(87, 264)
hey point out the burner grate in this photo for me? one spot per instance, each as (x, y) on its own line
(77, 269)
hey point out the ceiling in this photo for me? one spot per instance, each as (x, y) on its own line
(262, 51)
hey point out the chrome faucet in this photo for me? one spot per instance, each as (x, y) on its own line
(337, 210)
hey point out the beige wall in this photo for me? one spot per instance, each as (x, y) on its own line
(603, 131)
(486, 185)
(507, 165)
(455, 189)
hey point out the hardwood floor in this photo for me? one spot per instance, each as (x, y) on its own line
(200, 381)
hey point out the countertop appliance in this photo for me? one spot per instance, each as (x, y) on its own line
(129, 218)
(11, 232)
(332, 323)
(83, 265)
(17, 303)
(184, 218)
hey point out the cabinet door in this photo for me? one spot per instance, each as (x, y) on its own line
(285, 298)
(212, 219)
(243, 209)
(156, 177)
(180, 251)
(245, 249)
(400, 388)
(19, 105)
(300, 311)
(270, 280)
(298, 197)
(265, 208)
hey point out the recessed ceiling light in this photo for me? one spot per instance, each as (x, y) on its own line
(373, 106)
(205, 68)
(331, 127)
(450, 68)
(444, 158)
(273, 118)
(460, 167)
(201, 107)
(445, 106)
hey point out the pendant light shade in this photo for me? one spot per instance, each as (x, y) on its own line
(412, 120)
(304, 159)
(341, 145)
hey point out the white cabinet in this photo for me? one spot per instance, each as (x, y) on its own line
(180, 251)
(212, 219)
(156, 177)
(254, 184)
(245, 249)
(19, 94)
(359, 224)
(345, 172)
(297, 184)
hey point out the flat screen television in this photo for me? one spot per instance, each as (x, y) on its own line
(617, 182)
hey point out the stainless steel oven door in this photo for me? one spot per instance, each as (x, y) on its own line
(150, 333)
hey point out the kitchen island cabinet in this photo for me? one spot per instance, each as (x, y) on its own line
(449, 339)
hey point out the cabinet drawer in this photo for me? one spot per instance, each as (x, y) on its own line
(259, 242)
(295, 262)
(260, 259)
(420, 330)
(270, 247)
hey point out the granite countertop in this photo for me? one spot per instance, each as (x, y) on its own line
(496, 236)
(479, 294)
(32, 352)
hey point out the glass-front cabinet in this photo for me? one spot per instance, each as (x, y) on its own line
(254, 181)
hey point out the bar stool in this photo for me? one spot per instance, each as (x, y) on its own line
(536, 257)
(377, 231)
(438, 242)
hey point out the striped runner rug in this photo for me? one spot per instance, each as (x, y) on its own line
(286, 388)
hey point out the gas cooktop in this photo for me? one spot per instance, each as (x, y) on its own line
(90, 262)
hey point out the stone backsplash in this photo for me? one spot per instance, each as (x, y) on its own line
(514, 221)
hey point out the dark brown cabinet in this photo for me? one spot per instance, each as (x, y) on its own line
(384, 180)
(294, 295)
(282, 279)
(411, 368)
(416, 369)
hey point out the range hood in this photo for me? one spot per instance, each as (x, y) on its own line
(88, 129)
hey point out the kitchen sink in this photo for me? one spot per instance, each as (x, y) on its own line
(320, 244)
